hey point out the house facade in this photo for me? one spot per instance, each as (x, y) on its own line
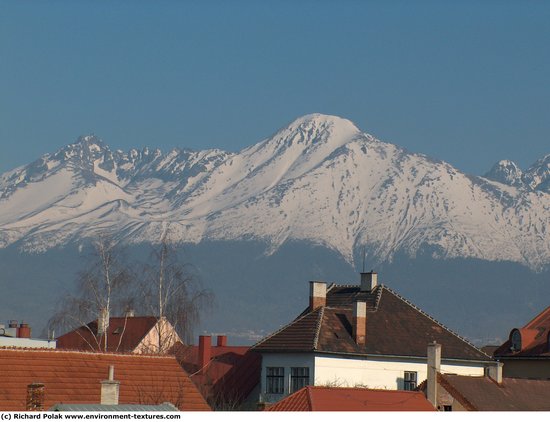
(359, 336)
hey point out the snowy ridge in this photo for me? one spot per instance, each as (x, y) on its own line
(319, 179)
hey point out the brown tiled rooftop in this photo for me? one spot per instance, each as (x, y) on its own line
(394, 327)
(482, 393)
(123, 335)
(351, 399)
(74, 377)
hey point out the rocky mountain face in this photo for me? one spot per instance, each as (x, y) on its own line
(320, 180)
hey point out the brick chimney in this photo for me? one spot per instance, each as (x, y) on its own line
(110, 388)
(35, 397)
(368, 281)
(317, 294)
(222, 341)
(495, 372)
(24, 331)
(205, 351)
(434, 366)
(103, 321)
(360, 323)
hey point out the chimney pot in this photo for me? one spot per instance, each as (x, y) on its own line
(360, 323)
(222, 341)
(35, 397)
(369, 281)
(317, 294)
(205, 351)
(434, 366)
(110, 388)
(495, 372)
(24, 331)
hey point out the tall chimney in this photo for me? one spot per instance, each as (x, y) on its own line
(495, 372)
(24, 331)
(222, 341)
(317, 294)
(368, 281)
(360, 323)
(103, 321)
(110, 388)
(35, 397)
(434, 366)
(205, 351)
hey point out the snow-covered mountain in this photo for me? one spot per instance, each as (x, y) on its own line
(319, 180)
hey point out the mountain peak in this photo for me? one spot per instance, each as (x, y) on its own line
(507, 172)
(320, 120)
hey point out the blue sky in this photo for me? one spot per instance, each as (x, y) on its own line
(464, 81)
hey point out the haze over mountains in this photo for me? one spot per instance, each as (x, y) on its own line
(303, 204)
(320, 180)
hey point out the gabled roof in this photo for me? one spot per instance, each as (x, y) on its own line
(74, 377)
(394, 327)
(535, 339)
(352, 399)
(123, 335)
(482, 393)
(229, 378)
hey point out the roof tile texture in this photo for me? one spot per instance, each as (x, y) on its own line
(352, 399)
(123, 335)
(74, 377)
(394, 327)
(482, 393)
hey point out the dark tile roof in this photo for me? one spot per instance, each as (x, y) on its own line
(535, 336)
(394, 327)
(482, 393)
(74, 377)
(351, 399)
(229, 378)
(123, 335)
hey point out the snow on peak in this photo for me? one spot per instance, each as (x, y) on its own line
(318, 179)
(507, 172)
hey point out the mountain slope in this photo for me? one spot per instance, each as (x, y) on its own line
(320, 180)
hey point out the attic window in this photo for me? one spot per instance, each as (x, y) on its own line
(515, 340)
(117, 330)
(410, 380)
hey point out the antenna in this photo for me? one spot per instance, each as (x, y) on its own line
(363, 258)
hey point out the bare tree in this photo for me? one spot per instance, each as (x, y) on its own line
(103, 289)
(171, 292)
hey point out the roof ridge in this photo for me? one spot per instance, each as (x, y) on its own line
(284, 327)
(318, 327)
(83, 352)
(537, 317)
(412, 305)
(309, 397)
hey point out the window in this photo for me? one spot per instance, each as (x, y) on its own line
(299, 378)
(410, 380)
(275, 380)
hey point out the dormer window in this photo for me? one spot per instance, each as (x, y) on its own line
(515, 340)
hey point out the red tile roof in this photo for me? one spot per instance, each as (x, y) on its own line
(482, 393)
(229, 378)
(74, 377)
(394, 327)
(535, 339)
(352, 399)
(123, 335)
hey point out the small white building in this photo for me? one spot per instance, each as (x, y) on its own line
(364, 335)
(19, 335)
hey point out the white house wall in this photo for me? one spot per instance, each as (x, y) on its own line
(287, 361)
(369, 372)
(382, 373)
